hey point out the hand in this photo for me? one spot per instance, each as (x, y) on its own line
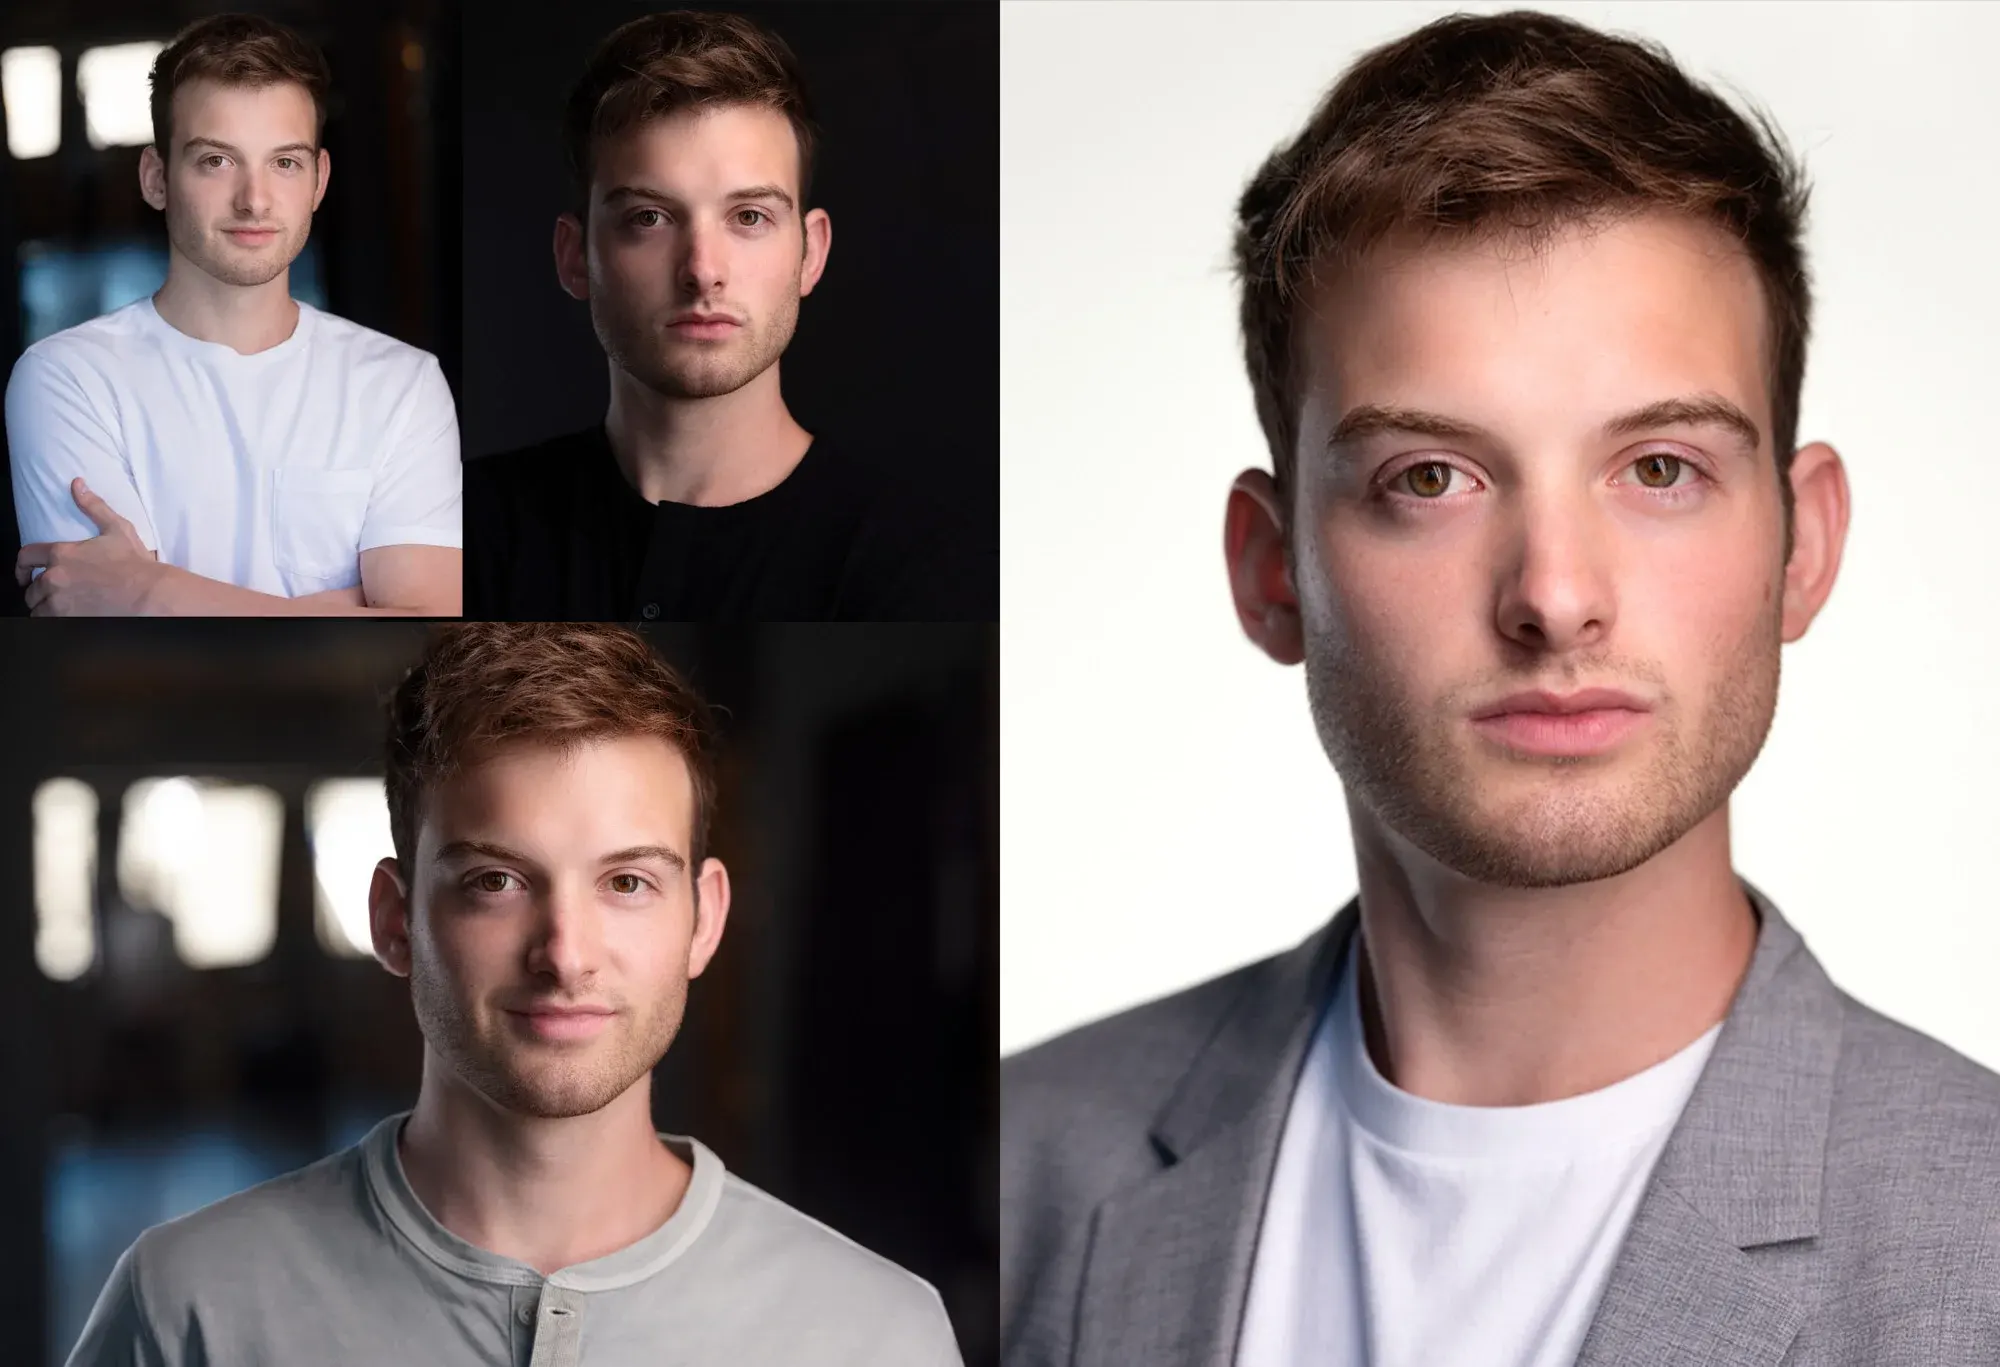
(110, 575)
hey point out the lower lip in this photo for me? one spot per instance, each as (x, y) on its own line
(252, 239)
(1566, 735)
(550, 1026)
(703, 331)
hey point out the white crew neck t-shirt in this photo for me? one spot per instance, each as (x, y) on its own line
(1400, 1232)
(272, 471)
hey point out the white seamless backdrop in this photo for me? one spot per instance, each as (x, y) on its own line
(1168, 812)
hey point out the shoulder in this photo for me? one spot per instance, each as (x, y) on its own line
(548, 465)
(365, 344)
(807, 1258)
(1915, 1125)
(92, 347)
(234, 1242)
(1123, 1065)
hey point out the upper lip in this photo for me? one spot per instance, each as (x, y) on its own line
(1558, 704)
(678, 319)
(552, 1009)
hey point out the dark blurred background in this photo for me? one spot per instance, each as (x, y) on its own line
(76, 240)
(188, 814)
(898, 346)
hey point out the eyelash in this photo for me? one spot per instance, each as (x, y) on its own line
(472, 888)
(1674, 493)
(204, 163)
(634, 222)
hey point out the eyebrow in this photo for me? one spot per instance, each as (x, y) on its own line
(1697, 410)
(235, 151)
(632, 854)
(770, 192)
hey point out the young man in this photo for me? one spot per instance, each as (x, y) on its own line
(1525, 311)
(690, 140)
(551, 897)
(221, 448)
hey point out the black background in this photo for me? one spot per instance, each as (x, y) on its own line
(899, 343)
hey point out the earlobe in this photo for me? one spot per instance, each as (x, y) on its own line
(711, 889)
(572, 272)
(1260, 573)
(152, 178)
(389, 917)
(1820, 508)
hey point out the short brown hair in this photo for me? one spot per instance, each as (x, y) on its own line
(1517, 124)
(483, 684)
(665, 63)
(236, 49)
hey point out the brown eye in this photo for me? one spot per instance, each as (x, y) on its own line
(1428, 480)
(491, 881)
(626, 884)
(1659, 470)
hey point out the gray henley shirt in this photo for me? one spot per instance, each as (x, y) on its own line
(339, 1264)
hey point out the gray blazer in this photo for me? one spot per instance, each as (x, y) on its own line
(1831, 1194)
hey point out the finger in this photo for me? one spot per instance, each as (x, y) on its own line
(37, 596)
(31, 558)
(96, 509)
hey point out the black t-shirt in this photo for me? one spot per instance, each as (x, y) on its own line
(554, 533)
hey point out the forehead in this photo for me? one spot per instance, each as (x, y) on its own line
(245, 116)
(578, 800)
(701, 153)
(1599, 320)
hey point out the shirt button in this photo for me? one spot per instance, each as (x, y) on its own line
(650, 612)
(526, 1314)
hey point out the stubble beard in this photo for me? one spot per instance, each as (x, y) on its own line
(1417, 771)
(545, 1081)
(639, 345)
(210, 251)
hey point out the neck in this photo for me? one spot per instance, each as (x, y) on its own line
(1484, 996)
(707, 452)
(245, 318)
(549, 1193)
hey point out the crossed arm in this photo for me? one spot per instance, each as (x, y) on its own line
(113, 574)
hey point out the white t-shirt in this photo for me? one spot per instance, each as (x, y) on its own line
(272, 471)
(1401, 1232)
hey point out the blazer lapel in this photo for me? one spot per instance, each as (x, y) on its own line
(1742, 1170)
(1168, 1268)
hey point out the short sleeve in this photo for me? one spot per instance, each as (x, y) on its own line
(54, 434)
(417, 494)
(117, 1333)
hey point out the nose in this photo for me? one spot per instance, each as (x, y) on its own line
(703, 270)
(252, 198)
(1554, 588)
(568, 940)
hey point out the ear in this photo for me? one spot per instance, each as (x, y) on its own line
(1819, 534)
(711, 911)
(819, 241)
(325, 172)
(1260, 572)
(153, 178)
(572, 258)
(389, 917)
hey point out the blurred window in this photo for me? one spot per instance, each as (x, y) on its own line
(65, 867)
(31, 85)
(63, 284)
(347, 821)
(116, 86)
(204, 854)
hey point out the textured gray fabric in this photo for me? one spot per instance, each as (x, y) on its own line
(1829, 1198)
(339, 1264)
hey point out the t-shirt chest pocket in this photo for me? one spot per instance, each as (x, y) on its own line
(316, 520)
